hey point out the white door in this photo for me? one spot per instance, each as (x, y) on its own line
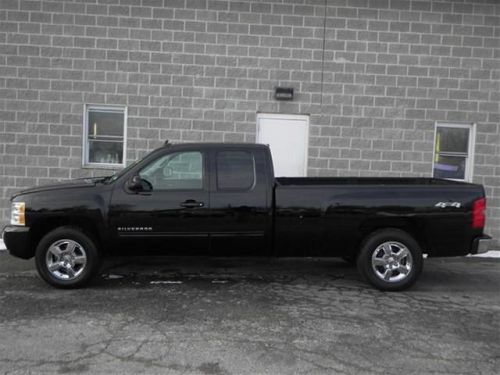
(288, 137)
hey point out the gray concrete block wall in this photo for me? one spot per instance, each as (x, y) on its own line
(200, 70)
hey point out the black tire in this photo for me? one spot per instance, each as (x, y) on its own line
(61, 240)
(391, 240)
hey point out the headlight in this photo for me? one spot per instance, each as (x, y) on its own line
(17, 214)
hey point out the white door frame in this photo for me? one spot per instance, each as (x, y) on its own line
(288, 117)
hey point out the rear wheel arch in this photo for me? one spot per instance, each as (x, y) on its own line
(413, 227)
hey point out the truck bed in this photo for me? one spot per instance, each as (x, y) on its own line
(329, 216)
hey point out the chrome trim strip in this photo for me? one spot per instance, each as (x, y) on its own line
(160, 234)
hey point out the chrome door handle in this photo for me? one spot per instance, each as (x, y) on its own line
(192, 204)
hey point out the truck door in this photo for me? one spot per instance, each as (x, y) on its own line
(240, 202)
(172, 213)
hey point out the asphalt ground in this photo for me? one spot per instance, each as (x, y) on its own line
(251, 316)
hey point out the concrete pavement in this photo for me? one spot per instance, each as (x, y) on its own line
(251, 316)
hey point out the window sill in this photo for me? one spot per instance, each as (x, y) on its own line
(103, 166)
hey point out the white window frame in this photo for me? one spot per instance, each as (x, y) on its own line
(85, 148)
(469, 165)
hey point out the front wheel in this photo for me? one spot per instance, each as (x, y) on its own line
(390, 259)
(67, 258)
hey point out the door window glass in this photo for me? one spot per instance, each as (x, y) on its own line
(182, 170)
(235, 170)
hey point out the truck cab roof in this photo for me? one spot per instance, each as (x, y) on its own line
(214, 145)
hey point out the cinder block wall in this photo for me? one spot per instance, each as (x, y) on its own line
(375, 76)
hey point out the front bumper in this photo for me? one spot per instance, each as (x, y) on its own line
(482, 244)
(17, 241)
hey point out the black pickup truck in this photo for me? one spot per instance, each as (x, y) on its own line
(223, 199)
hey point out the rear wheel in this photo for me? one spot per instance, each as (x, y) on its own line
(67, 258)
(390, 259)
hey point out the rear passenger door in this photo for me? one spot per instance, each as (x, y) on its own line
(240, 203)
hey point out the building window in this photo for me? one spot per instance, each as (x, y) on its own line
(454, 151)
(104, 136)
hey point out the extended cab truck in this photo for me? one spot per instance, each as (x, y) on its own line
(223, 199)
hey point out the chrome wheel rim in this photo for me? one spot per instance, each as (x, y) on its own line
(392, 262)
(66, 259)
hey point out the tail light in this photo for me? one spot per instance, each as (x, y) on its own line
(479, 214)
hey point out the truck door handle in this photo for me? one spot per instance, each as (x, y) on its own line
(191, 203)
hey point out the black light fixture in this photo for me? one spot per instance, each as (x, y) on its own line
(283, 93)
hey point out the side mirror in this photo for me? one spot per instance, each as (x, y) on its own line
(138, 184)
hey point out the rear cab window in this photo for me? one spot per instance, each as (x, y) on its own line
(235, 170)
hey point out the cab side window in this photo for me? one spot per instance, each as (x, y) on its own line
(235, 170)
(177, 171)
